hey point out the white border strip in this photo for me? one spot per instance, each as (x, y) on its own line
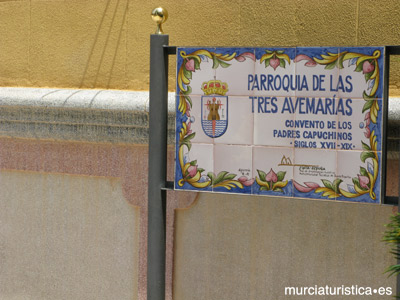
(88, 99)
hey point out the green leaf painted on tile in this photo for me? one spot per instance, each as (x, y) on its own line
(223, 64)
(336, 184)
(281, 175)
(363, 171)
(220, 177)
(211, 175)
(262, 175)
(366, 154)
(327, 184)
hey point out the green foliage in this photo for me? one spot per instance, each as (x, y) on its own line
(196, 64)
(281, 175)
(359, 67)
(186, 93)
(340, 61)
(363, 172)
(368, 104)
(334, 186)
(357, 183)
(267, 62)
(365, 146)
(186, 140)
(222, 176)
(262, 175)
(187, 74)
(392, 237)
(218, 62)
(366, 97)
(368, 76)
(331, 66)
(366, 154)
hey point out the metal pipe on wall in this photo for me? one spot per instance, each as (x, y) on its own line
(157, 166)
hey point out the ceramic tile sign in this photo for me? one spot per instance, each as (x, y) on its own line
(292, 122)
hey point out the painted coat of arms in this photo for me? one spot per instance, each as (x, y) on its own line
(214, 114)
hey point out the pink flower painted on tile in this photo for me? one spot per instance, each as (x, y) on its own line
(245, 181)
(271, 176)
(274, 62)
(368, 67)
(188, 127)
(367, 118)
(309, 61)
(190, 65)
(310, 186)
(187, 109)
(364, 180)
(192, 170)
(242, 57)
(367, 132)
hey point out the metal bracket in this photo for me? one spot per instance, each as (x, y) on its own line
(171, 50)
(389, 50)
(169, 186)
(393, 50)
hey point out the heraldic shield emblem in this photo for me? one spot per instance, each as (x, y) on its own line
(214, 112)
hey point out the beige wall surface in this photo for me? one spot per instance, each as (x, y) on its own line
(105, 43)
(237, 247)
(66, 237)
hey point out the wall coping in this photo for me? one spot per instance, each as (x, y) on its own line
(79, 98)
(79, 115)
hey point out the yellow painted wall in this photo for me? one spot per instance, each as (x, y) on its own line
(105, 43)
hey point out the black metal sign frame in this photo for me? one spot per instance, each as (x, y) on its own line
(158, 117)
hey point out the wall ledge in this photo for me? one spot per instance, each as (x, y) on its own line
(81, 115)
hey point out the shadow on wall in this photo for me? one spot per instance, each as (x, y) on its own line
(103, 53)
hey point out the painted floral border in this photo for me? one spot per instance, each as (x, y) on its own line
(366, 179)
(364, 183)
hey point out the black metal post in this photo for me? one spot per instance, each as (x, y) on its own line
(385, 107)
(392, 200)
(386, 111)
(398, 210)
(157, 167)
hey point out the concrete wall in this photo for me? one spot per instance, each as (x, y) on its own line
(105, 43)
(66, 237)
(238, 247)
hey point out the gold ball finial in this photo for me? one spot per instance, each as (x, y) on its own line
(159, 15)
